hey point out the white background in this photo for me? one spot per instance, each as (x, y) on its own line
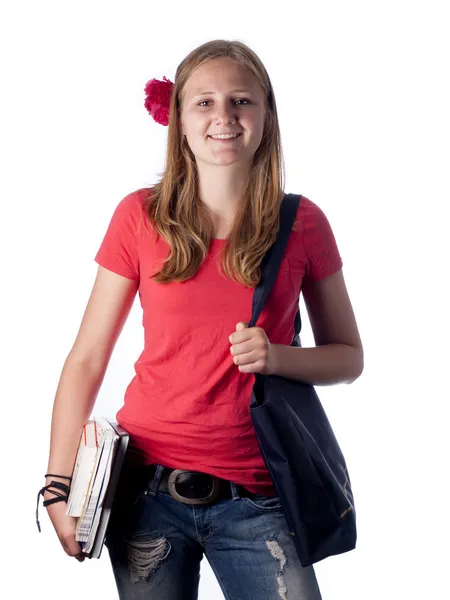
(363, 96)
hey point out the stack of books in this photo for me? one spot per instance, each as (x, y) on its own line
(97, 468)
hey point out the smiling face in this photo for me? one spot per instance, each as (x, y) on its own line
(222, 113)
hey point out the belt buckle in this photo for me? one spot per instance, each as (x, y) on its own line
(171, 483)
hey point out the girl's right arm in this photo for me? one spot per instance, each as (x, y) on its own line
(106, 312)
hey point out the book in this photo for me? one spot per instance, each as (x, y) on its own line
(97, 483)
(99, 461)
(83, 470)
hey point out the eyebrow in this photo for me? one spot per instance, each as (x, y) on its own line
(204, 93)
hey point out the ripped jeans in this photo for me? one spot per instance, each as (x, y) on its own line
(156, 544)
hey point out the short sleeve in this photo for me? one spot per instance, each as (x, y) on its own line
(321, 250)
(118, 251)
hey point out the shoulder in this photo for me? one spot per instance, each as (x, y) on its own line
(135, 201)
(132, 208)
(309, 215)
(310, 223)
(312, 240)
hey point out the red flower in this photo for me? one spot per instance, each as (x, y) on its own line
(157, 100)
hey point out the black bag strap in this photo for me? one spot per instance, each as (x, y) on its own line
(272, 261)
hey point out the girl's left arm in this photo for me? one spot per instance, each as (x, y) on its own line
(338, 355)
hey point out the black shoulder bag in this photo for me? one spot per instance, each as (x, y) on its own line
(296, 439)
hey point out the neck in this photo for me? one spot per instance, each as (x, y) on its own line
(222, 190)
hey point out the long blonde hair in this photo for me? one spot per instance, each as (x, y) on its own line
(173, 207)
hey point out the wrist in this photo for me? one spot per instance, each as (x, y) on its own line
(56, 486)
(56, 489)
(274, 360)
(60, 478)
(48, 495)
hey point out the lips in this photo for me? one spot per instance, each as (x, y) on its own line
(225, 139)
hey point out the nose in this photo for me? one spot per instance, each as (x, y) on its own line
(225, 114)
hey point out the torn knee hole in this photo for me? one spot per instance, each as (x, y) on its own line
(277, 552)
(145, 554)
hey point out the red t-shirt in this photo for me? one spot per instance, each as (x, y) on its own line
(187, 406)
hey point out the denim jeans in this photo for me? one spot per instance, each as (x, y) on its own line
(156, 544)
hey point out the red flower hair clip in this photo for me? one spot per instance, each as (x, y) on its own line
(157, 100)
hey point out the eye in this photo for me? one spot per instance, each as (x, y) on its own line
(238, 101)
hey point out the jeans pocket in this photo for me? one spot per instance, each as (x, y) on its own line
(263, 503)
(125, 504)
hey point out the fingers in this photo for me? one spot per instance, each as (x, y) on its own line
(242, 348)
(65, 527)
(258, 359)
(238, 336)
(71, 546)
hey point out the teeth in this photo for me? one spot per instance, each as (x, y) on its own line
(225, 136)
